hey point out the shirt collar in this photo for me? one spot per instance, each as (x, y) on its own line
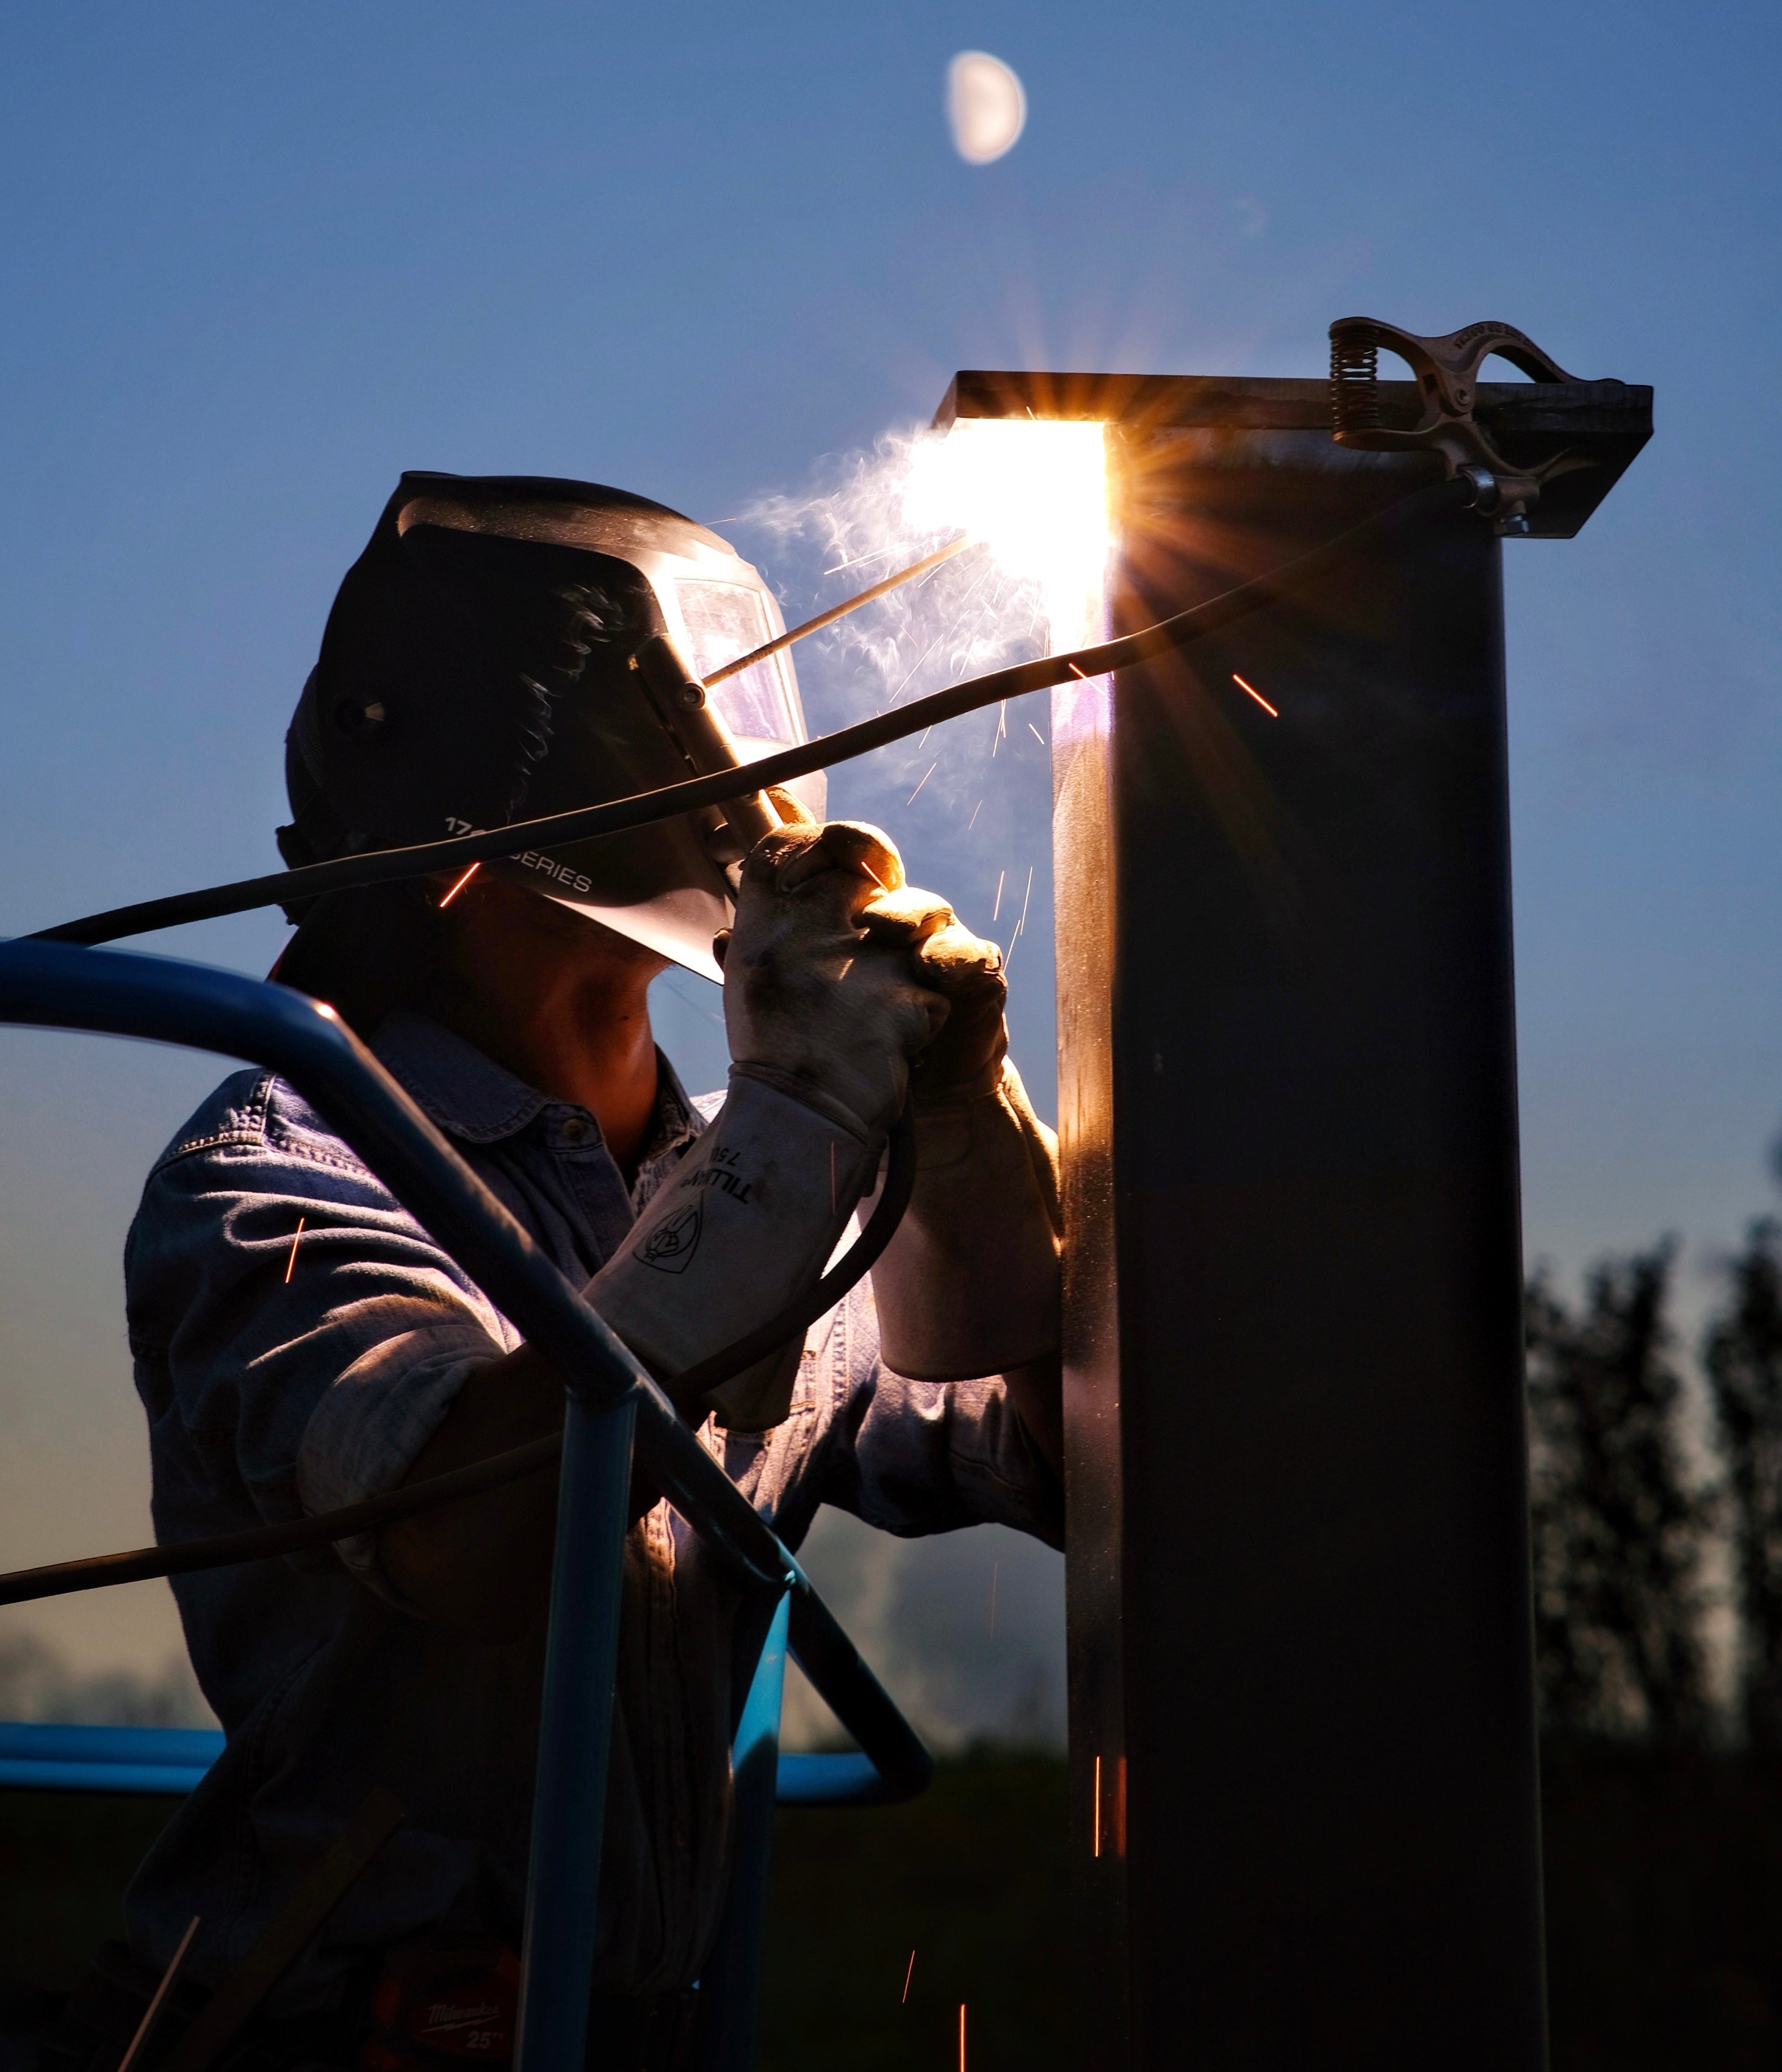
(472, 1098)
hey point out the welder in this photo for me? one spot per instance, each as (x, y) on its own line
(301, 1343)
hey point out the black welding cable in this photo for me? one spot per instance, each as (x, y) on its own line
(264, 1542)
(380, 866)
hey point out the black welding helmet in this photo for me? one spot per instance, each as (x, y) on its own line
(477, 670)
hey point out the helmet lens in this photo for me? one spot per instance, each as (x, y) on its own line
(724, 620)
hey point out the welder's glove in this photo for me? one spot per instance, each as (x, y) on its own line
(821, 997)
(969, 1284)
(824, 1013)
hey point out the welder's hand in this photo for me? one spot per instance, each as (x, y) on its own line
(966, 1057)
(823, 995)
(790, 808)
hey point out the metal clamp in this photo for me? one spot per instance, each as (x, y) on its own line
(1447, 380)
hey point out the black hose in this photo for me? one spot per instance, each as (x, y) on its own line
(265, 1543)
(380, 866)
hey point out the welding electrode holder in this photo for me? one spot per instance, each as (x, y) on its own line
(691, 720)
(1446, 371)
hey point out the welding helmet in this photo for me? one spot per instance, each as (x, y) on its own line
(477, 669)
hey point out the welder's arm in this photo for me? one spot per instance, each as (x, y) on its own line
(481, 1566)
(825, 1012)
(969, 1284)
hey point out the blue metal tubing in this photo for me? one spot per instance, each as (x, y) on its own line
(574, 1738)
(731, 1981)
(168, 1761)
(829, 1780)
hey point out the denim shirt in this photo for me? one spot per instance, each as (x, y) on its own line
(297, 1338)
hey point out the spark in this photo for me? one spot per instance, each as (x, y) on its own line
(1077, 673)
(990, 606)
(994, 1566)
(1020, 925)
(290, 1263)
(909, 1975)
(1037, 735)
(975, 811)
(1002, 724)
(961, 2037)
(997, 909)
(926, 775)
(1256, 694)
(860, 560)
(1096, 1849)
(934, 644)
(459, 886)
(926, 731)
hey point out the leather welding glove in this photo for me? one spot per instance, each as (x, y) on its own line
(969, 1286)
(824, 1013)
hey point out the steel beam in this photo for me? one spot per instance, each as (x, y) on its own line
(1302, 1735)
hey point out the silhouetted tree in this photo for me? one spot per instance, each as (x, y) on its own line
(1742, 1354)
(1617, 1530)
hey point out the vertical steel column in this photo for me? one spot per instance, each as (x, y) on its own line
(575, 1739)
(1297, 1406)
(1304, 1813)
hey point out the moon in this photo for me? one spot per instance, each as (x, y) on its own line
(987, 108)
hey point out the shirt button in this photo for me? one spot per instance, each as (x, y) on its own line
(574, 1130)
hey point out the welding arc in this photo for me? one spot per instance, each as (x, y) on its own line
(380, 866)
(264, 1542)
(840, 610)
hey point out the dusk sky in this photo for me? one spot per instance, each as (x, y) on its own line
(255, 262)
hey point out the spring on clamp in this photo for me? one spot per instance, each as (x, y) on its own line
(1355, 384)
(1447, 381)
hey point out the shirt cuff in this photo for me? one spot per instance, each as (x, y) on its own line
(369, 1428)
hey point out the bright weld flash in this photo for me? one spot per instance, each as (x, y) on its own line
(1035, 491)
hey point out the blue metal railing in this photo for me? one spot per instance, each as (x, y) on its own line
(612, 1404)
(53, 1758)
(156, 1761)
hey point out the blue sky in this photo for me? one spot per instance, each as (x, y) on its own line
(255, 261)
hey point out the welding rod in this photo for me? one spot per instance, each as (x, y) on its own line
(840, 610)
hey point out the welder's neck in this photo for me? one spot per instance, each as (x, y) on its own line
(562, 1005)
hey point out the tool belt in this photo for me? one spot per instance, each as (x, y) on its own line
(433, 2005)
